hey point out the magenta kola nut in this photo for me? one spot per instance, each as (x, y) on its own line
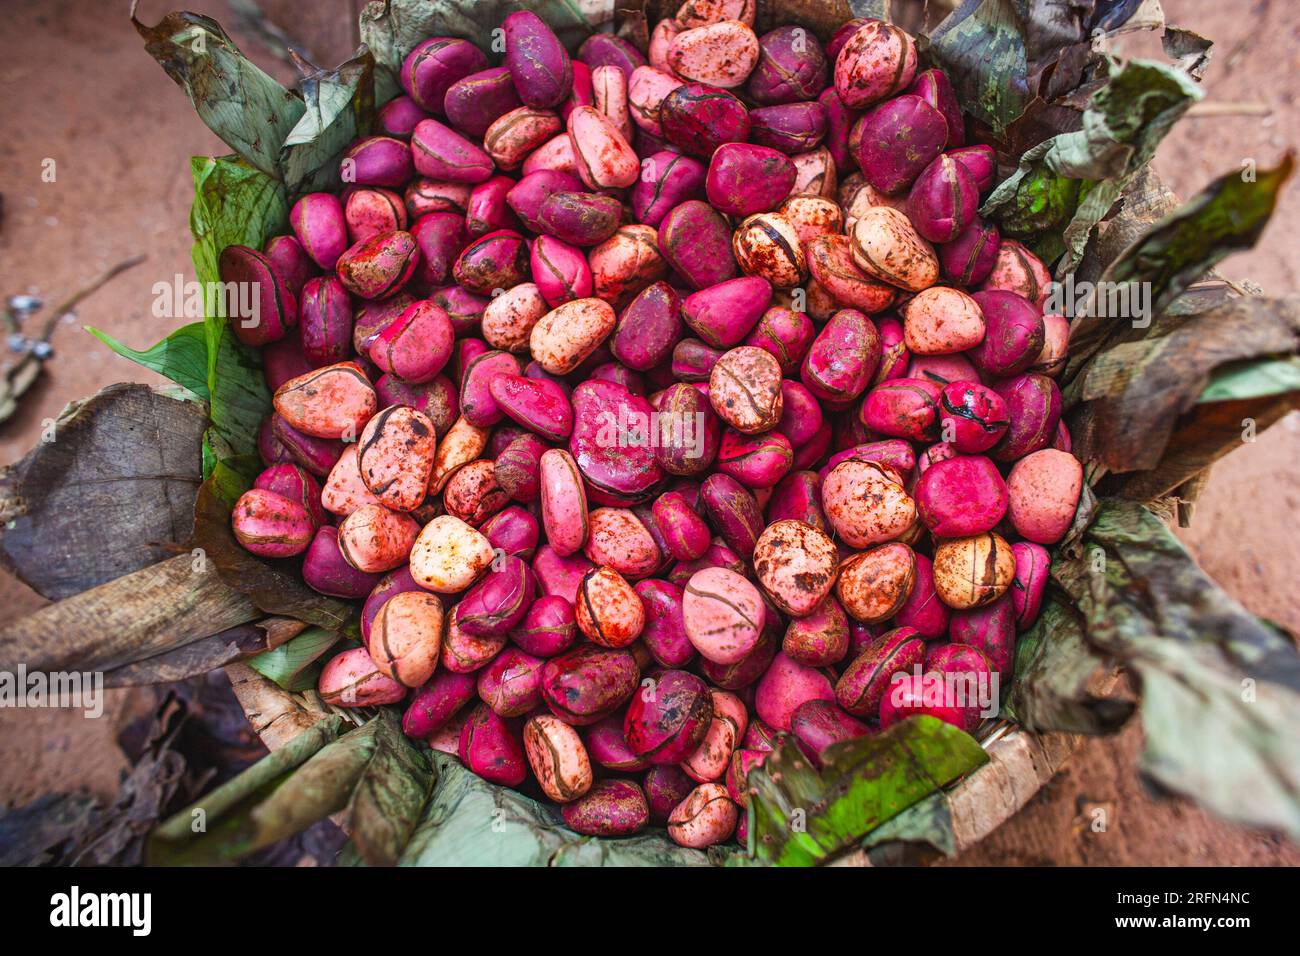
(539, 64)
(668, 717)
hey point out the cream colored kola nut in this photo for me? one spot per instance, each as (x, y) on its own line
(874, 584)
(940, 321)
(461, 445)
(812, 216)
(395, 456)
(796, 565)
(970, 572)
(707, 816)
(866, 503)
(508, 320)
(344, 491)
(720, 54)
(609, 90)
(558, 758)
(449, 555)
(605, 160)
(569, 333)
(767, 245)
(885, 245)
(406, 637)
(745, 389)
(814, 174)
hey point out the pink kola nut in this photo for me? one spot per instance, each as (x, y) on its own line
(568, 334)
(866, 503)
(612, 808)
(295, 483)
(466, 653)
(424, 196)
(609, 95)
(960, 497)
(903, 408)
(968, 675)
(351, 679)
(406, 637)
(723, 613)
(968, 259)
(842, 359)
(271, 525)
(330, 402)
(511, 683)
(648, 327)
(1044, 489)
(941, 321)
(812, 216)
(561, 272)
(345, 491)
(720, 54)
(1029, 582)
(536, 404)
(745, 390)
(564, 502)
(441, 153)
(709, 761)
(835, 271)
(647, 88)
(707, 816)
(1020, 271)
(377, 161)
(436, 703)
(373, 538)
(756, 461)
(488, 210)
(785, 686)
(395, 457)
(877, 61)
(417, 345)
(604, 158)
(371, 212)
(923, 611)
(318, 221)
(476, 402)
(618, 539)
(973, 416)
(325, 319)
(611, 443)
(787, 334)
(874, 584)
(744, 179)
(796, 564)
(490, 747)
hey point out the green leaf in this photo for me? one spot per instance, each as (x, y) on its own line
(340, 107)
(1242, 380)
(801, 818)
(181, 357)
(292, 664)
(1220, 688)
(1068, 183)
(919, 835)
(981, 45)
(470, 822)
(389, 799)
(250, 111)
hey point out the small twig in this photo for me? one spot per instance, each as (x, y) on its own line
(1216, 110)
(75, 299)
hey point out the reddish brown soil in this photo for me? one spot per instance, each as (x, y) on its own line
(121, 134)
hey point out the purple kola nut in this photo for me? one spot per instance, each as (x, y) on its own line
(816, 724)
(648, 327)
(990, 629)
(785, 687)
(611, 808)
(1014, 337)
(664, 634)
(431, 68)
(797, 497)
(734, 512)
(923, 611)
(527, 196)
(512, 530)
(961, 497)
(317, 455)
(290, 262)
(934, 87)
(801, 417)
(415, 346)
(697, 119)
(744, 179)
(665, 788)
(685, 533)
(689, 433)
(667, 180)
(819, 639)
(324, 570)
(378, 267)
(696, 240)
(608, 747)
(899, 138)
(464, 308)
(580, 219)
(477, 404)
(893, 452)
(723, 314)
(548, 628)
(539, 65)
(1034, 410)
(878, 60)
(266, 310)
(972, 417)
(511, 683)
(981, 162)
(839, 122)
(394, 582)
(539, 405)
(436, 703)
(295, 483)
(894, 356)
(842, 359)
(903, 408)
(377, 161)
(943, 200)
(668, 717)
(605, 49)
(588, 683)
(491, 747)
(866, 681)
(474, 102)
(791, 66)
(499, 601)
(271, 525)
(756, 461)
(611, 443)
(487, 210)
(693, 360)
(318, 222)
(969, 257)
(440, 153)
(498, 260)
(560, 271)
(436, 398)
(791, 127)
(785, 333)
(398, 117)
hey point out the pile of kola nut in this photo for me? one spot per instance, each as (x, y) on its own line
(768, 249)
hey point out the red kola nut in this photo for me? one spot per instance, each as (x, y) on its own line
(972, 417)
(877, 61)
(465, 653)
(564, 337)
(720, 54)
(766, 245)
(711, 759)
(866, 503)
(785, 686)
(991, 630)
(513, 136)
(498, 260)
(331, 402)
(874, 584)
(792, 128)
(489, 747)
(406, 637)
(903, 408)
(834, 270)
(960, 497)
(1030, 581)
(896, 140)
(372, 212)
(865, 682)
(395, 457)
(796, 564)
(942, 321)
(626, 263)
(696, 240)
(923, 610)
(697, 119)
(416, 345)
(564, 502)
(588, 683)
(608, 611)
(745, 389)
(842, 359)
(969, 257)
(424, 196)
(612, 808)
(819, 639)
(449, 555)
(473, 494)
(377, 267)
(619, 540)
(436, 703)
(548, 628)
(295, 483)
(317, 220)
(668, 717)
(785, 333)
(664, 635)
(511, 683)
(271, 525)
(791, 67)
(756, 461)
(265, 309)
(373, 538)
(1044, 489)
(326, 322)
(724, 614)
(537, 404)
(704, 818)
(509, 318)
(648, 327)
(685, 532)
(688, 443)
(884, 244)
(812, 216)
(970, 572)
(894, 356)
(818, 724)
(351, 679)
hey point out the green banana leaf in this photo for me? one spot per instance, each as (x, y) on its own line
(295, 664)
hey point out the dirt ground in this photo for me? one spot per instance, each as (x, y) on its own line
(120, 135)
